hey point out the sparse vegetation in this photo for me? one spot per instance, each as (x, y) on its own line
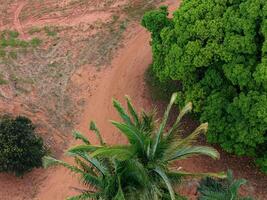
(50, 31)
(20, 148)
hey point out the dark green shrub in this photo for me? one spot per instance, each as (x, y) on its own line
(20, 149)
(221, 189)
(218, 51)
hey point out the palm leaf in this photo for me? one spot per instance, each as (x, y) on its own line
(83, 148)
(94, 128)
(220, 175)
(131, 132)
(85, 167)
(163, 124)
(184, 111)
(166, 180)
(92, 161)
(202, 128)
(117, 152)
(49, 161)
(132, 111)
(186, 152)
(122, 112)
(78, 136)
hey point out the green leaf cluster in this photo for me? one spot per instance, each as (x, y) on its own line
(217, 49)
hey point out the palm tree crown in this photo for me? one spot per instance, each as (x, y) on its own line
(140, 169)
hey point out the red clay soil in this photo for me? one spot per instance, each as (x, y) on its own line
(124, 76)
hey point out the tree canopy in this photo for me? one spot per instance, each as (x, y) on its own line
(217, 49)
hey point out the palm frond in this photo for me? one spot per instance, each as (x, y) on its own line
(122, 112)
(148, 122)
(132, 133)
(50, 161)
(94, 128)
(78, 136)
(163, 124)
(83, 148)
(185, 110)
(189, 151)
(132, 111)
(121, 153)
(220, 175)
(93, 161)
(85, 167)
(166, 180)
(201, 129)
(86, 177)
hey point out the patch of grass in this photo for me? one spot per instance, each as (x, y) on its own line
(50, 31)
(35, 42)
(13, 34)
(2, 80)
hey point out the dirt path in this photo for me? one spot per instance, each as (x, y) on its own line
(16, 22)
(124, 77)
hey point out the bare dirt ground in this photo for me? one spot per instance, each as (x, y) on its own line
(71, 79)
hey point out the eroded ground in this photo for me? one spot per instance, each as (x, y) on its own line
(62, 70)
(44, 43)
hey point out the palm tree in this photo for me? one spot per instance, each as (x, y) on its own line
(151, 150)
(105, 178)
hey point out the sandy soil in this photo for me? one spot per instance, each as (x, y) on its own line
(124, 76)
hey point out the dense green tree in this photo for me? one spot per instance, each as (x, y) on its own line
(142, 168)
(217, 49)
(20, 148)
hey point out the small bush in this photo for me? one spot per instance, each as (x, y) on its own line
(20, 149)
(222, 189)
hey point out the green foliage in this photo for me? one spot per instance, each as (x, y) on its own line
(140, 169)
(218, 51)
(50, 31)
(20, 149)
(212, 189)
(35, 42)
(13, 34)
(9, 41)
